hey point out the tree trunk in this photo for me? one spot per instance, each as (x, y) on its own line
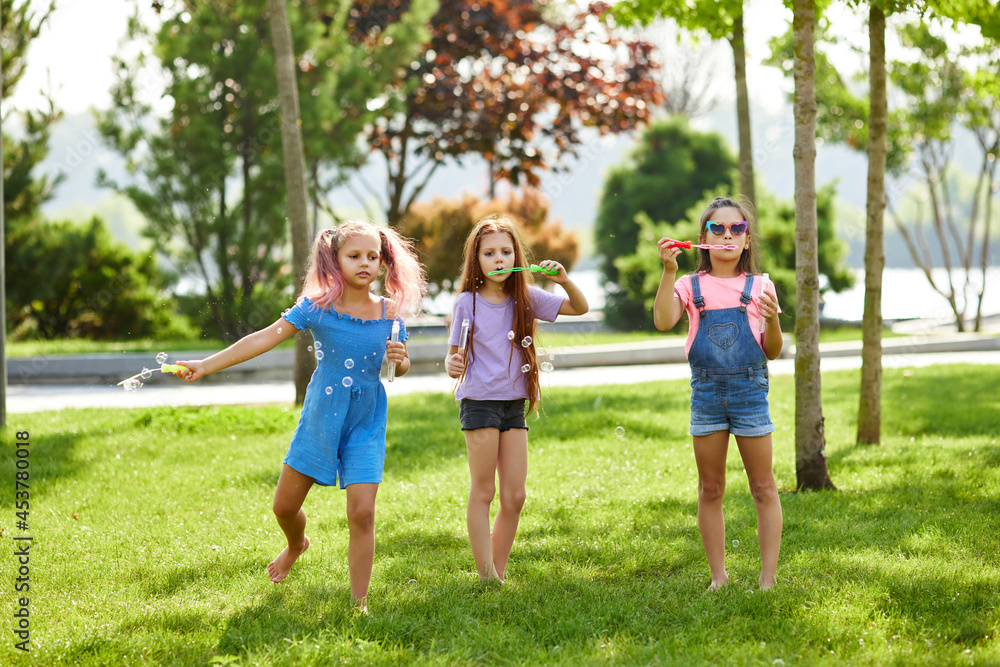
(810, 442)
(295, 179)
(743, 111)
(870, 409)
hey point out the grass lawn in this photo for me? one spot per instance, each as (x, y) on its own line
(152, 530)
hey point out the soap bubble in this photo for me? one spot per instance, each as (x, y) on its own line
(526, 341)
(318, 345)
(525, 368)
(329, 390)
(547, 367)
(161, 357)
(736, 544)
(146, 373)
(319, 355)
(510, 335)
(310, 348)
(620, 431)
(348, 381)
(349, 363)
(132, 384)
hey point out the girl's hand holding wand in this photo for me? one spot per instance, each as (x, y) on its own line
(195, 371)
(396, 352)
(668, 255)
(576, 302)
(455, 365)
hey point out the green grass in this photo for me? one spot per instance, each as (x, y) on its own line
(152, 530)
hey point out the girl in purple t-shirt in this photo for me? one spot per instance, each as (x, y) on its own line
(497, 370)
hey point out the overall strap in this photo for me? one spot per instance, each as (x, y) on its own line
(745, 298)
(699, 300)
(383, 308)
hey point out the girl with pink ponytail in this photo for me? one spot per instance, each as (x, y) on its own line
(340, 437)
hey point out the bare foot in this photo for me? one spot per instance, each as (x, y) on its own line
(716, 585)
(278, 568)
(362, 605)
(766, 584)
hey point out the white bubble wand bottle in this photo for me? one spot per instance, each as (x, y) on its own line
(760, 320)
(394, 337)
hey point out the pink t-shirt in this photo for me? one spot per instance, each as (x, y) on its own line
(719, 293)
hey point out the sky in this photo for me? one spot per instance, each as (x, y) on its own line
(73, 53)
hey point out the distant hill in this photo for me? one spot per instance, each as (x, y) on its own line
(77, 151)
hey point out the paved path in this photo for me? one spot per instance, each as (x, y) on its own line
(34, 398)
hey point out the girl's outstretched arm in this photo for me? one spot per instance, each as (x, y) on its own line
(575, 302)
(242, 350)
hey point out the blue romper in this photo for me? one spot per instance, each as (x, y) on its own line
(341, 431)
(729, 379)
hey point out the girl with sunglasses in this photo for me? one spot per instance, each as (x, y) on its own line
(727, 305)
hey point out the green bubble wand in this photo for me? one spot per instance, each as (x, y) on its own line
(534, 268)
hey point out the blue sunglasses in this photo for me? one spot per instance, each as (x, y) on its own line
(719, 228)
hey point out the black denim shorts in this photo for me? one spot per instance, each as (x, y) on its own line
(503, 415)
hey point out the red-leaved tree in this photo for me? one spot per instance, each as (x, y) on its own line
(513, 81)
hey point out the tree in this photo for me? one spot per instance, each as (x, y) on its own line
(890, 138)
(670, 170)
(18, 26)
(23, 190)
(513, 81)
(203, 170)
(722, 20)
(76, 281)
(295, 178)
(930, 115)
(870, 403)
(810, 441)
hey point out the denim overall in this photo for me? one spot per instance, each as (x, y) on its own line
(729, 379)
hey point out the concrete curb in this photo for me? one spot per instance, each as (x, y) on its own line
(428, 358)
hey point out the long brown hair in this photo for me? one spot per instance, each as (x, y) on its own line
(748, 260)
(515, 287)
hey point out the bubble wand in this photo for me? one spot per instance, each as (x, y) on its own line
(394, 337)
(146, 372)
(763, 284)
(534, 268)
(705, 246)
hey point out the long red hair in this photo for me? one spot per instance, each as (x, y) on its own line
(516, 287)
(404, 280)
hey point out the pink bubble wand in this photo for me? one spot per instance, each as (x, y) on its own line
(705, 246)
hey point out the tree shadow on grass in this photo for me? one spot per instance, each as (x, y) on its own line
(51, 458)
(429, 434)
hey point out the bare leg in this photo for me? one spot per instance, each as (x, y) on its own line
(483, 445)
(710, 456)
(512, 469)
(288, 498)
(756, 453)
(361, 544)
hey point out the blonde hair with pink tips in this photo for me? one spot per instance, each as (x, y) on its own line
(404, 282)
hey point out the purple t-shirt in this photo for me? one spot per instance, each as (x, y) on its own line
(494, 375)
